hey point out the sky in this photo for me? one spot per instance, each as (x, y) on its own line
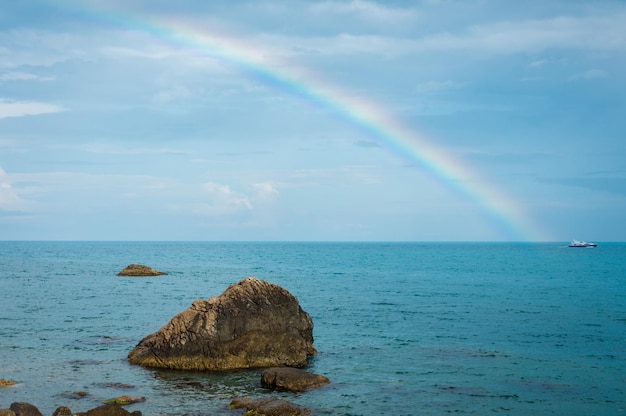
(286, 120)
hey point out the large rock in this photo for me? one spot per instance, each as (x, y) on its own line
(291, 379)
(139, 270)
(252, 324)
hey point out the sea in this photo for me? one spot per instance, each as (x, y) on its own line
(400, 328)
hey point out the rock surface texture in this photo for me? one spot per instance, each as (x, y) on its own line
(139, 270)
(291, 379)
(252, 324)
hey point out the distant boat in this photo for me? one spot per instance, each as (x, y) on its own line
(583, 244)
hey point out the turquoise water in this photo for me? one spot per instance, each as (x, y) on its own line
(401, 328)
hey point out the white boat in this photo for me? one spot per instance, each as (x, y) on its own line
(576, 243)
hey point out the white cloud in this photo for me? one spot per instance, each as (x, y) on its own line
(538, 63)
(222, 200)
(175, 93)
(9, 198)
(34, 47)
(26, 108)
(601, 34)
(104, 148)
(591, 74)
(23, 76)
(265, 190)
(435, 86)
(364, 9)
(592, 33)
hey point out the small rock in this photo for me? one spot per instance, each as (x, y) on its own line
(269, 407)
(124, 400)
(139, 270)
(111, 410)
(291, 379)
(6, 383)
(62, 411)
(7, 412)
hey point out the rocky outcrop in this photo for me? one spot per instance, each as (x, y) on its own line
(252, 324)
(291, 379)
(139, 270)
(269, 407)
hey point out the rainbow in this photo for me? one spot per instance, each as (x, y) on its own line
(253, 61)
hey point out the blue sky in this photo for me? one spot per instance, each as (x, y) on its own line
(354, 120)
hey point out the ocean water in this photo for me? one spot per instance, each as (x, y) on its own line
(401, 328)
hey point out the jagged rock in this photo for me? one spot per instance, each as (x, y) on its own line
(291, 379)
(25, 409)
(269, 407)
(124, 400)
(139, 270)
(63, 411)
(253, 323)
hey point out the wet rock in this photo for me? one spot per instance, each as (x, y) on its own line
(139, 270)
(269, 407)
(252, 324)
(291, 379)
(25, 409)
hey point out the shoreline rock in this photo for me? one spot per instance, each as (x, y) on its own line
(253, 324)
(140, 270)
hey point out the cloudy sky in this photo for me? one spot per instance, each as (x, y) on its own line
(433, 120)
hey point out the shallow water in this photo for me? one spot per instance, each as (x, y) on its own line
(401, 328)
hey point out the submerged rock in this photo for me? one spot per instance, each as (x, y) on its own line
(252, 324)
(291, 379)
(139, 270)
(269, 407)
